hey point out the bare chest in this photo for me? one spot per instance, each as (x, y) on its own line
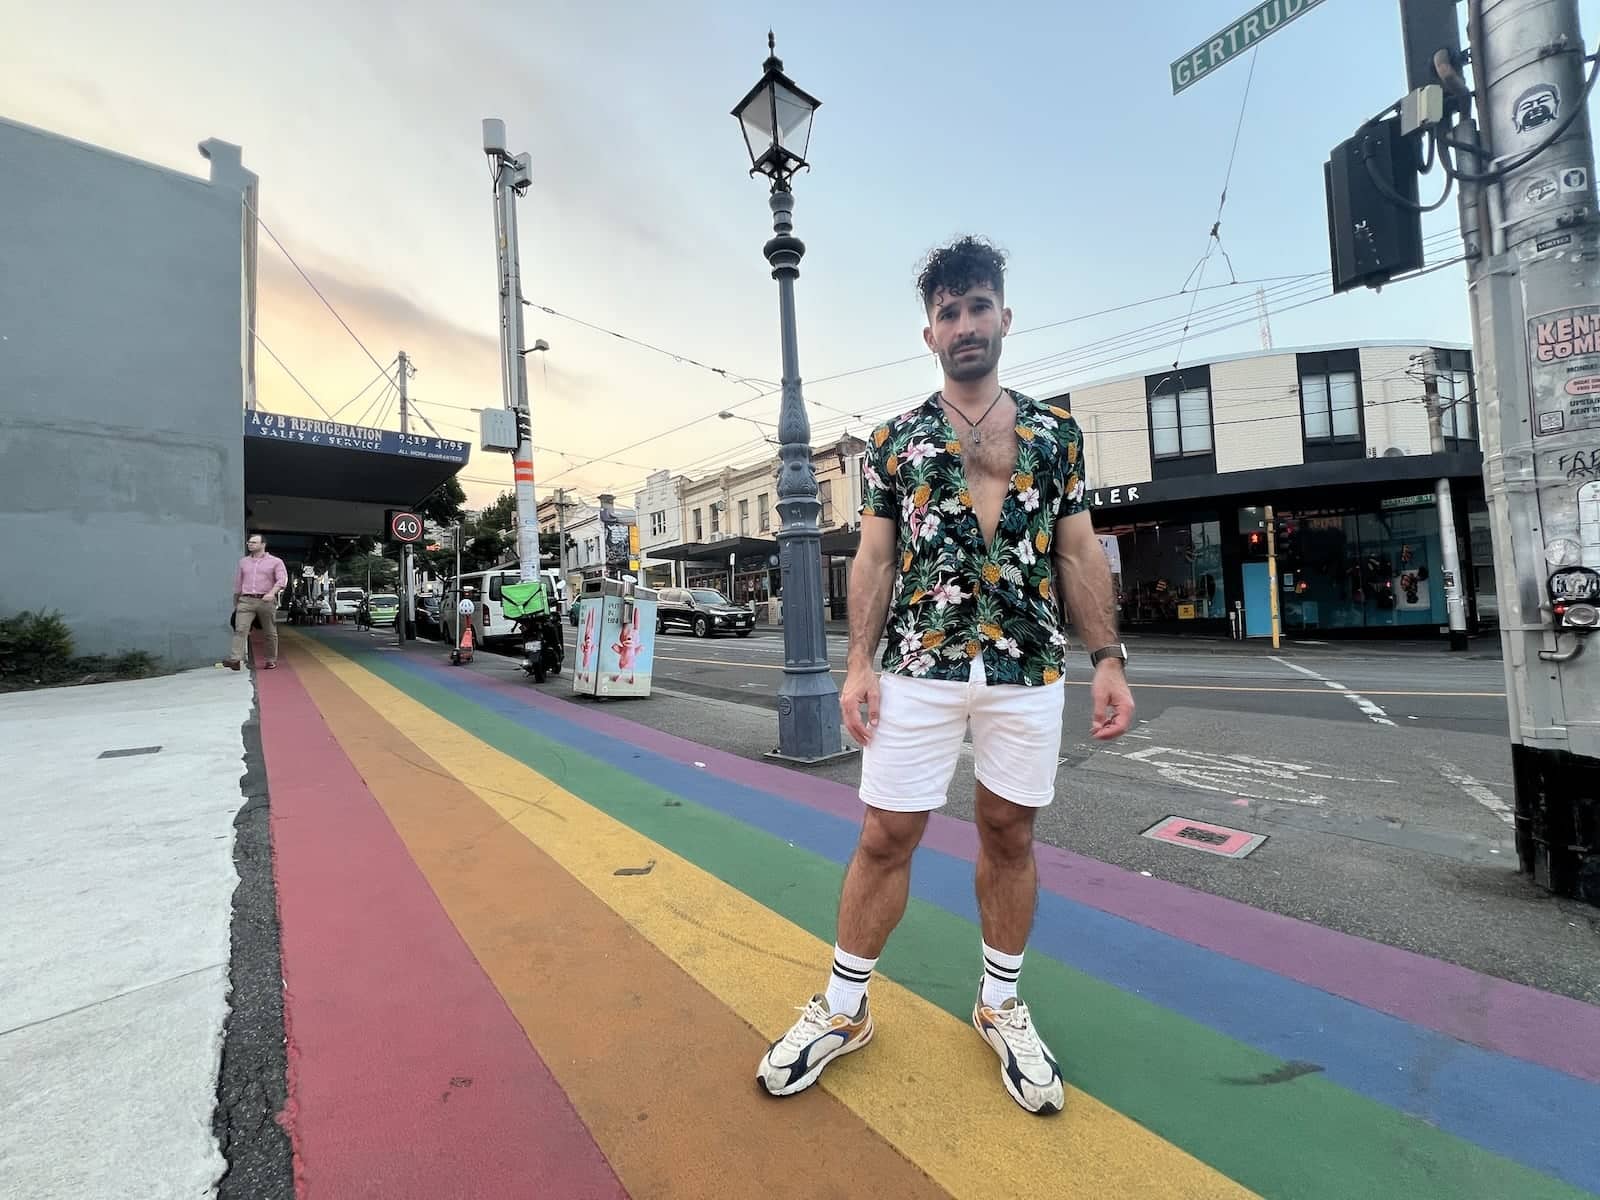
(990, 464)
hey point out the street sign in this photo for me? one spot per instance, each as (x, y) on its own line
(405, 527)
(1234, 40)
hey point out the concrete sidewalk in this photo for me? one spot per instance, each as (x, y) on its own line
(116, 878)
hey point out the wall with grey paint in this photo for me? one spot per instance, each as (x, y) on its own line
(122, 355)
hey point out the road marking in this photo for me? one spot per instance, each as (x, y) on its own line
(1471, 787)
(1240, 775)
(1373, 713)
(1139, 683)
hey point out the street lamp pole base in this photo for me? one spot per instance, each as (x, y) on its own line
(808, 720)
(836, 756)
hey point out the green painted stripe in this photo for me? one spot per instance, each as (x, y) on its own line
(1309, 1138)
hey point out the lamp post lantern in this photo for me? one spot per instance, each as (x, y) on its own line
(775, 117)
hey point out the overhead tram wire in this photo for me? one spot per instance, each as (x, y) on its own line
(1130, 344)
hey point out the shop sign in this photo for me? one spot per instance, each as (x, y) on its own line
(1111, 497)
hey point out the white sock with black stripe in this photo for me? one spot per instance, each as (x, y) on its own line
(1000, 974)
(848, 981)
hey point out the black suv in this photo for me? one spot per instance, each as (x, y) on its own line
(704, 611)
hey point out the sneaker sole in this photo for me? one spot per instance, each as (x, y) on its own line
(812, 1075)
(1047, 1109)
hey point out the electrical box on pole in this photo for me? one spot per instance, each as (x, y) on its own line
(1370, 238)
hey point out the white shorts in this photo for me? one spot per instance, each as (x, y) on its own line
(1016, 740)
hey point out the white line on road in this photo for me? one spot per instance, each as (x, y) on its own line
(1374, 714)
(1471, 787)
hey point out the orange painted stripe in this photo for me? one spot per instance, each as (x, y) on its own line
(660, 1070)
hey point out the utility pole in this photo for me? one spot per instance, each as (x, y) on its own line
(512, 177)
(1533, 243)
(1274, 605)
(561, 532)
(1449, 552)
(406, 624)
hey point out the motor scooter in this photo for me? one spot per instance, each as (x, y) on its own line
(538, 627)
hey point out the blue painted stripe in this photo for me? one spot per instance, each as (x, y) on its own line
(1522, 1111)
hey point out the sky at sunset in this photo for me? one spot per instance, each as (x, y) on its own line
(1048, 127)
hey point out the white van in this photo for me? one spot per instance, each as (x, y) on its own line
(490, 624)
(347, 601)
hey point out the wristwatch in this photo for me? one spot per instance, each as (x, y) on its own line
(1117, 650)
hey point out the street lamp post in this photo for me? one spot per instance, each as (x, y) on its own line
(775, 117)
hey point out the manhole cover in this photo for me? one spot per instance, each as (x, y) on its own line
(1202, 835)
(129, 753)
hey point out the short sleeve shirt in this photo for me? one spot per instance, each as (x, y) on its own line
(955, 595)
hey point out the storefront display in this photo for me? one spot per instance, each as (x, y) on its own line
(1343, 569)
(1167, 572)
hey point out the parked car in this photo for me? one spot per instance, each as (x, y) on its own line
(380, 608)
(430, 617)
(704, 612)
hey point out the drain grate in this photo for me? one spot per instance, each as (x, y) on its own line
(1202, 835)
(129, 753)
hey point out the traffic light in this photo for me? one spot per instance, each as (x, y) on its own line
(1371, 238)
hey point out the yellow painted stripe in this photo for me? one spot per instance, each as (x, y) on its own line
(928, 1083)
(1137, 684)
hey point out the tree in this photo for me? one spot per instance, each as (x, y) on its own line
(443, 507)
(492, 536)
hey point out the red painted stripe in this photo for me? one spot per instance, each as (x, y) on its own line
(409, 1078)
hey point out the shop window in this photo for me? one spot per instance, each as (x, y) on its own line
(1181, 441)
(1167, 573)
(1458, 399)
(1348, 569)
(1331, 425)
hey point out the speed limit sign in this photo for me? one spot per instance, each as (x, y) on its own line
(405, 527)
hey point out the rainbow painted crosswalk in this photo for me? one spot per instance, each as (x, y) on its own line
(532, 948)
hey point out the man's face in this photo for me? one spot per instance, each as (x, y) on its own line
(254, 544)
(965, 331)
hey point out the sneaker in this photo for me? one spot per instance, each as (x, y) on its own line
(1027, 1067)
(793, 1062)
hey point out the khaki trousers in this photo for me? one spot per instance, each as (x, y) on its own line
(250, 609)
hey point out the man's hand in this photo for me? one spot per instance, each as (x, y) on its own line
(860, 688)
(1113, 702)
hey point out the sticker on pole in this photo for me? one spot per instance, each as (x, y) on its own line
(1564, 369)
(405, 527)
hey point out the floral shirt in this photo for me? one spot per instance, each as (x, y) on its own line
(956, 596)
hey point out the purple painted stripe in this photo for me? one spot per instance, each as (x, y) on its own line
(1499, 1015)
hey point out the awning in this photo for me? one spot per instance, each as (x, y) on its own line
(743, 547)
(303, 476)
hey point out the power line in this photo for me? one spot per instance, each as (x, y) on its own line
(746, 380)
(383, 374)
(326, 302)
(291, 375)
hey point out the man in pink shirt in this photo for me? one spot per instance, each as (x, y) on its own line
(256, 586)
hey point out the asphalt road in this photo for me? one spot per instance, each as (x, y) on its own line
(1419, 688)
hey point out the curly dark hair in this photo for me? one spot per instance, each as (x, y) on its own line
(965, 263)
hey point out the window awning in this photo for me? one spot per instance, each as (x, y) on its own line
(743, 547)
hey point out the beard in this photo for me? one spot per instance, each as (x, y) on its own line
(966, 369)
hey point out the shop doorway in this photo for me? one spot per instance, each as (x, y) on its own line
(1257, 600)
